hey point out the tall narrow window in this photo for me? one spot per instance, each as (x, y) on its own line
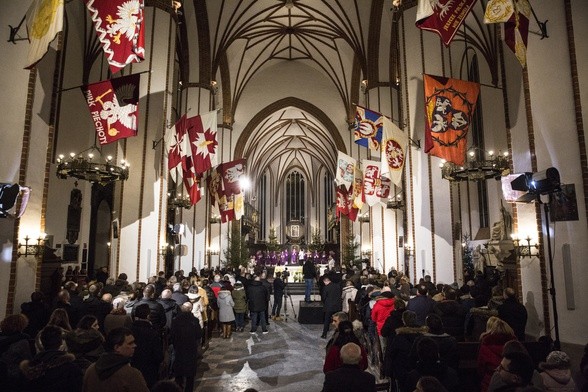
(262, 205)
(295, 192)
(478, 141)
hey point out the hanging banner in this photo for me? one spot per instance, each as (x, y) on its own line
(449, 106)
(120, 28)
(394, 151)
(368, 128)
(345, 170)
(515, 15)
(443, 17)
(114, 107)
(202, 134)
(44, 22)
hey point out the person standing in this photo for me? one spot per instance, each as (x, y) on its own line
(113, 372)
(331, 303)
(240, 307)
(226, 316)
(309, 274)
(258, 297)
(185, 336)
(278, 296)
(513, 313)
(148, 354)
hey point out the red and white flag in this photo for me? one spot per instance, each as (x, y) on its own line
(114, 107)
(371, 182)
(177, 147)
(44, 22)
(515, 15)
(214, 185)
(342, 205)
(120, 28)
(202, 133)
(358, 189)
(394, 149)
(383, 191)
(442, 16)
(232, 173)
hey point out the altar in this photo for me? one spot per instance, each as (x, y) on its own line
(296, 271)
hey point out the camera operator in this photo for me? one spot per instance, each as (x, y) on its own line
(279, 287)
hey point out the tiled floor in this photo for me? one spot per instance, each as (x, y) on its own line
(289, 358)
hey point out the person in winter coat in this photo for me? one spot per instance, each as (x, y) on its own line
(156, 310)
(556, 373)
(452, 314)
(85, 342)
(240, 307)
(430, 364)
(59, 318)
(37, 313)
(257, 300)
(345, 334)
(446, 344)
(15, 347)
(279, 287)
(349, 377)
(422, 304)
(398, 350)
(170, 307)
(113, 372)
(491, 345)
(51, 369)
(226, 316)
(178, 295)
(196, 300)
(382, 308)
(514, 313)
(148, 354)
(185, 336)
(348, 294)
(118, 316)
(331, 303)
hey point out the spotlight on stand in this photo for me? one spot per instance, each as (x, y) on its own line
(535, 184)
(546, 182)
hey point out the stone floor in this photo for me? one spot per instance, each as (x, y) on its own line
(289, 358)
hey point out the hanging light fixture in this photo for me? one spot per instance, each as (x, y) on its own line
(480, 166)
(89, 165)
(176, 201)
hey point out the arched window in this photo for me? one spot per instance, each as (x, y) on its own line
(295, 196)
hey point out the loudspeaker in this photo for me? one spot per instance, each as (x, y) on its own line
(311, 313)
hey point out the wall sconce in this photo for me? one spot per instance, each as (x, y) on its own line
(408, 250)
(366, 254)
(32, 249)
(163, 249)
(525, 250)
(364, 86)
(214, 219)
(213, 252)
(364, 218)
(395, 203)
(214, 87)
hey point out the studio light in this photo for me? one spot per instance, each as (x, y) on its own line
(480, 166)
(89, 165)
(535, 184)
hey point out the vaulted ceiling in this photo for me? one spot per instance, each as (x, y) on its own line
(241, 39)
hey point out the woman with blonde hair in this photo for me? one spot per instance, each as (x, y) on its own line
(497, 334)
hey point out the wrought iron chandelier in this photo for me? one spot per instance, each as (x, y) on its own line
(175, 201)
(480, 166)
(89, 165)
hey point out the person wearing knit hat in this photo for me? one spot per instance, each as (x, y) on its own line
(556, 373)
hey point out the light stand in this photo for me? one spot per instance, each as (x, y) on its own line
(286, 296)
(556, 343)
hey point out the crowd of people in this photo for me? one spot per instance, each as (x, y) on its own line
(411, 334)
(109, 333)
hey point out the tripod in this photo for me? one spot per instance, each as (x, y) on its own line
(286, 297)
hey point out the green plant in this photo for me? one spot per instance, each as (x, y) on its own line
(467, 257)
(272, 244)
(237, 252)
(316, 243)
(350, 252)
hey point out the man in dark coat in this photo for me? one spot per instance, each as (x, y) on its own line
(349, 377)
(170, 306)
(422, 304)
(37, 312)
(178, 295)
(513, 313)
(257, 298)
(156, 311)
(149, 351)
(51, 369)
(185, 336)
(76, 302)
(112, 372)
(309, 275)
(452, 314)
(331, 303)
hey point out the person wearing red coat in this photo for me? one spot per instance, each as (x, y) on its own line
(491, 344)
(382, 308)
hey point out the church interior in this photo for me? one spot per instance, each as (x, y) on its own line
(282, 82)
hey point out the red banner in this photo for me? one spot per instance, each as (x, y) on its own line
(442, 16)
(449, 106)
(114, 107)
(119, 25)
(202, 133)
(231, 173)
